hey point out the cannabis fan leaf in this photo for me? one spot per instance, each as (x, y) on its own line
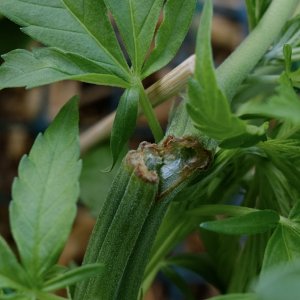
(42, 212)
(83, 46)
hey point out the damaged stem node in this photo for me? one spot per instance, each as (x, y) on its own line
(170, 162)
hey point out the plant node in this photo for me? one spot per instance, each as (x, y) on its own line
(170, 162)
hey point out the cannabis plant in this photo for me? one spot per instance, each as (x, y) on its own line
(226, 167)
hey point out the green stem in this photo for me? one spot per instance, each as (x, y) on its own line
(150, 115)
(241, 62)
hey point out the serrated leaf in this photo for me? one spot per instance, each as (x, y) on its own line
(210, 111)
(45, 194)
(176, 20)
(125, 121)
(12, 274)
(54, 25)
(252, 223)
(208, 106)
(47, 65)
(92, 15)
(136, 21)
(70, 277)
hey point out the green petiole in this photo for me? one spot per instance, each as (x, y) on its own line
(150, 114)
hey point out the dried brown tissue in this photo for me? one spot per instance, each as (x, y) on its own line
(150, 159)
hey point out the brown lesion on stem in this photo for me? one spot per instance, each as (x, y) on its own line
(182, 158)
(171, 162)
(135, 160)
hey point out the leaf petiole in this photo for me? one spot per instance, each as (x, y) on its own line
(150, 114)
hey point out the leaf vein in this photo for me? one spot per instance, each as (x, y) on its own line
(96, 40)
(41, 5)
(133, 34)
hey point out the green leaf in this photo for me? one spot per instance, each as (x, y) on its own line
(70, 277)
(208, 106)
(210, 112)
(47, 65)
(177, 18)
(252, 223)
(280, 283)
(283, 246)
(45, 194)
(246, 296)
(136, 21)
(12, 274)
(285, 105)
(62, 26)
(125, 121)
(93, 18)
(94, 184)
